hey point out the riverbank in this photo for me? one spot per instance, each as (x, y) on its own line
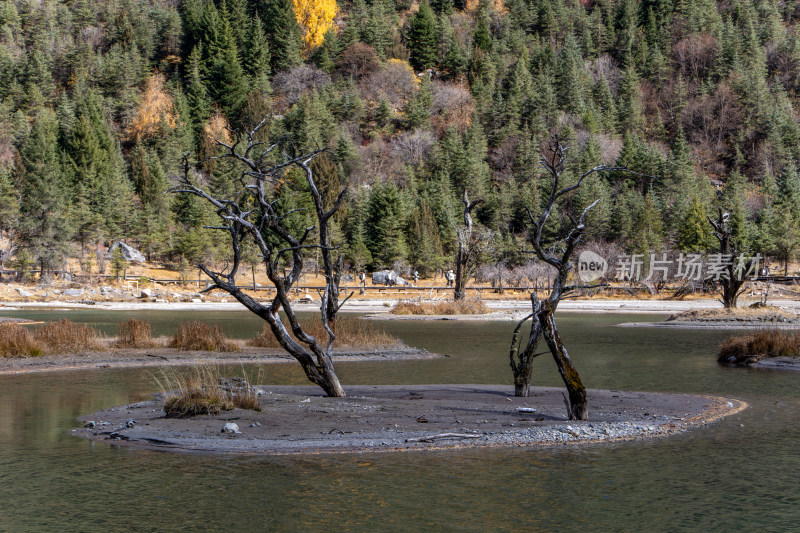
(355, 305)
(401, 418)
(158, 357)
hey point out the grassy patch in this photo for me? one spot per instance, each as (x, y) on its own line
(67, 337)
(201, 390)
(197, 335)
(18, 341)
(752, 347)
(460, 307)
(134, 334)
(349, 332)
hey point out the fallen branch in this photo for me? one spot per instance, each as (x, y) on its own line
(445, 436)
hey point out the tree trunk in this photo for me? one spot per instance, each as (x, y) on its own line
(522, 364)
(578, 405)
(460, 290)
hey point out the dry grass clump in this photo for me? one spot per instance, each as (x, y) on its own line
(67, 337)
(460, 307)
(134, 334)
(18, 341)
(197, 335)
(201, 390)
(349, 332)
(752, 347)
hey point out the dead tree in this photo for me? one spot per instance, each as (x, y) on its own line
(467, 249)
(557, 254)
(258, 216)
(735, 276)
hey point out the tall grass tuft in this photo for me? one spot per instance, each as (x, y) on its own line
(200, 390)
(349, 332)
(751, 347)
(134, 334)
(65, 336)
(459, 307)
(18, 341)
(197, 335)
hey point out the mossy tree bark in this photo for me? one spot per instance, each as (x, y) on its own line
(736, 270)
(542, 316)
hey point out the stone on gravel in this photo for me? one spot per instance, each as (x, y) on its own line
(73, 292)
(24, 293)
(230, 429)
(146, 293)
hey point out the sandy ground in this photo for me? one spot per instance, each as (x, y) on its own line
(356, 305)
(151, 357)
(395, 418)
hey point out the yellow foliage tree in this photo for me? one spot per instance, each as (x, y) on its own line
(155, 109)
(315, 17)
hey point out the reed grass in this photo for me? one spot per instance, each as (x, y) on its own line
(197, 335)
(349, 332)
(134, 334)
(459, 307)
(18, 341)
(201, 390)
(760, 344)
(65, 336)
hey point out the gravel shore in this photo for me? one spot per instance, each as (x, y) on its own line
(398, 418)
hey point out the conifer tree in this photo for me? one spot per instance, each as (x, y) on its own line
(422, 38)
(283, 32)
(45, 228)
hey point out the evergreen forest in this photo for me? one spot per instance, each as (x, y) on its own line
(414, 102)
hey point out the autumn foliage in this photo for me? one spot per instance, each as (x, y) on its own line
(315, 17)
(155, 109)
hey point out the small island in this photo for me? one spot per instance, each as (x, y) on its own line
(299, 419)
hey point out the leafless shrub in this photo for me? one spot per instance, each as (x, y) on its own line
(358, 60)
(94, 36)
(413, 146)
(395, 81)
(293, 83)
(453, 105)
(604, 68)
(695, 55)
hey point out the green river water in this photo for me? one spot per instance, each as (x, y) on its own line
(739, 474)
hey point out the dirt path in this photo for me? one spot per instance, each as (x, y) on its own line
(399, 418)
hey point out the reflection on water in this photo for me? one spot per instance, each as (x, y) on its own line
(739, 474)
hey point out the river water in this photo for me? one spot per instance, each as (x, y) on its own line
(739, 474)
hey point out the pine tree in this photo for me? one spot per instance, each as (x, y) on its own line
(256, 57)
(283, 32)
(422, 38)
(45, 228)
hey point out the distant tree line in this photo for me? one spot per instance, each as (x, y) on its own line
(415, 103)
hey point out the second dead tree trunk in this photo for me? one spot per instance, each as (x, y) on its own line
(466, 249)
(542, 316)
(736, 271)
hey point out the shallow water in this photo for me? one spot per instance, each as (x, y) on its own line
(741, 473)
